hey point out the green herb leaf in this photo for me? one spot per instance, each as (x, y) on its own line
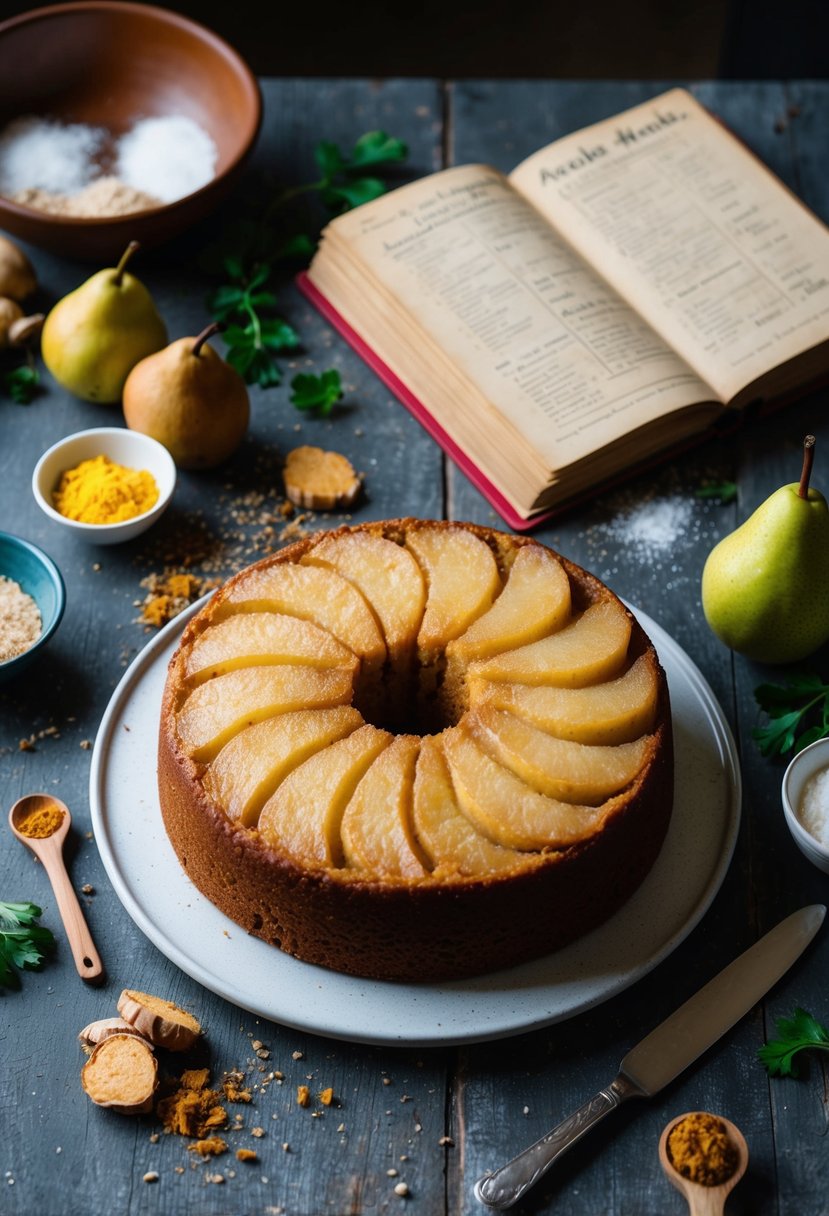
(309, 392)
(788, 707)
(21, 383)
(353, 193)
(795, 1034)
(725, 491)
(328, 157)
(23, 943)
(378, 148)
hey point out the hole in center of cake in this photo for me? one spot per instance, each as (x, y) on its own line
(408, 699)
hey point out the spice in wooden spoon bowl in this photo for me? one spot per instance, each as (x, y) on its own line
(42, 822)
(704, 1156)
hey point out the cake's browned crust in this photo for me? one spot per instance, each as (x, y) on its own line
(435, 928)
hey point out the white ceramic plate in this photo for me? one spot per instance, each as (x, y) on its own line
(199, 939)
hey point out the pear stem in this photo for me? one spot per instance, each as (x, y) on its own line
(215, 327)
(132, 248)
(808, 460)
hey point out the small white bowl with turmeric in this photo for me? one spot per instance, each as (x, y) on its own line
(105, 485)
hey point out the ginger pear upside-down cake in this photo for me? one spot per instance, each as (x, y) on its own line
(414, 750)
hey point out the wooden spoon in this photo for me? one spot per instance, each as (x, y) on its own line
(49, 851)
(704, 1200)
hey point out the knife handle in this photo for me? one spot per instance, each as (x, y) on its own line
(506, 1185)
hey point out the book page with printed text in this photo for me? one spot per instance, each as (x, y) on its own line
(695, 233)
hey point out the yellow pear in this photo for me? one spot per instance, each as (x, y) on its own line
(188, 398)
(765, 586)
(94, 336)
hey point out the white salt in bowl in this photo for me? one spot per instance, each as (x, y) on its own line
(805, 765)
(124, 447)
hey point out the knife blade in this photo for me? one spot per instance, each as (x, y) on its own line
(664, 1053)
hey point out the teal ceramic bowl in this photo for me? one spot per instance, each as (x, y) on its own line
(40, 578)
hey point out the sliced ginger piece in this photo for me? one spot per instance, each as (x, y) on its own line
(122, 1074)
(105, 1028)
(320, 480)
(162, 1022)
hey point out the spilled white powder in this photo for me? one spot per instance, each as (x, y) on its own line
(652, 529)
(167, 157)
(813, 811)
(39, 154)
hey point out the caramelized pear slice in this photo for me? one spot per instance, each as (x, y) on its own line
(560, 768)
(217, 710)
(590, 649)
(376, 829)
(504, 807)
(302, 818)
(249, 768)
(312, 593)
(258, 638)
(535, 601)
(446, 835)
(385, 573)
(617, 711)
(462, 578)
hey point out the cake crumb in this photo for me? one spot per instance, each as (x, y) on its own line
(303, 1095)
(150, 1176)
(211, 1146)
(246, 1154)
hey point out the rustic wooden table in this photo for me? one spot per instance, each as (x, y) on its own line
(434, 1118)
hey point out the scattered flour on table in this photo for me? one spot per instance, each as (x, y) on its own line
(813, 811)
(650, 530)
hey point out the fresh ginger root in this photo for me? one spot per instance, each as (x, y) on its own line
(320, 480)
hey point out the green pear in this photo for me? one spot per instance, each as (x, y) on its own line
(188, 398)
(94, 336)
(765, 587)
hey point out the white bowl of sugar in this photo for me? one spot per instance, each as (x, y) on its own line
(806, 802)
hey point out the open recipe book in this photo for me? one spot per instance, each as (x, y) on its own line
(623, 291)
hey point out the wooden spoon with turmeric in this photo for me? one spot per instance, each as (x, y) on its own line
(42, 822)
(704, 1156)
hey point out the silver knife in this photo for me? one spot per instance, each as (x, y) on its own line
(666, 1051)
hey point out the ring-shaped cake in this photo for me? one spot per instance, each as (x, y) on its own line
(416, 750)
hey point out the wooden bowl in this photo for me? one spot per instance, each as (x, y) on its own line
(109, 63)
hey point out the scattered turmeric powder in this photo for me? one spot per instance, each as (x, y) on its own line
(212, 1146)
(99, 491)
(192, 1109)
(700, 1148)
(41, 822)
(170, 594)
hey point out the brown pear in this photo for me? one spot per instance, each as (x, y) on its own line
(188, 398)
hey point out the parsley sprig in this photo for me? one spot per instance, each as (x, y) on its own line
(21, 383)
(801, 1032)
(724, 491)
(243, 305)
(317, 392)
(23, 944)
(789, 707)
(254, 334)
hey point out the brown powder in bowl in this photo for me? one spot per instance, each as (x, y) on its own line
(104, 197)
(20, 621)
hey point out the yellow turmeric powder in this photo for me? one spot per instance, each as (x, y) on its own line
(700, 1149)
(98, 491)
(42, 822)
(192, 1109)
